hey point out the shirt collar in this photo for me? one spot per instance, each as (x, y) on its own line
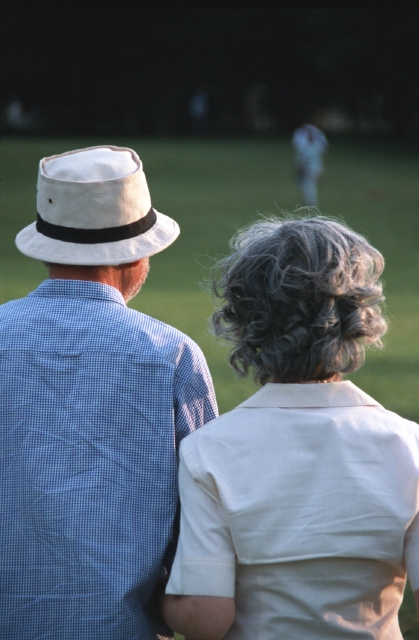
(78, 289)
(330, 394)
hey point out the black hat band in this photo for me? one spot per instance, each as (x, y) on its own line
(96, 236)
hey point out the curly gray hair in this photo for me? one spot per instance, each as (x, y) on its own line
(301, 299)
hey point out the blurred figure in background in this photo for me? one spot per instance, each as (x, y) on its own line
(257, 114)
(17, 118)
(310, 145)
(198, 111)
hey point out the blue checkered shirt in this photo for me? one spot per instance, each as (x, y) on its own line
(95, 398)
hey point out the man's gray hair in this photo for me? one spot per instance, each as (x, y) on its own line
(301, 299)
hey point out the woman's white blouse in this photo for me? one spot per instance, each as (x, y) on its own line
(302, 503)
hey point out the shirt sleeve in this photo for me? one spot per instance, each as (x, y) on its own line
(411, 553)
(195, 402)
(205, 561)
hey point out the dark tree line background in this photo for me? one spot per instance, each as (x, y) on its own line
(134, 70)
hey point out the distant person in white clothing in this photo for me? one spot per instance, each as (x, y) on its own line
(300, 508)
(310, 145)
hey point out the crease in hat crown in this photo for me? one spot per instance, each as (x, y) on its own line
(94, 164)
(87, 191)
(93, 188)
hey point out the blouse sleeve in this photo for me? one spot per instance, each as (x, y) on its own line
(204, 564)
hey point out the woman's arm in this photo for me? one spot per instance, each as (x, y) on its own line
(199, 617)
(199, 601)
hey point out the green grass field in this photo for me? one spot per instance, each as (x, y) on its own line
(213, 187)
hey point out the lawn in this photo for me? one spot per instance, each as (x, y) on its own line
(213, 187)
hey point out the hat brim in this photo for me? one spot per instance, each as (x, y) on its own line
(35, 245)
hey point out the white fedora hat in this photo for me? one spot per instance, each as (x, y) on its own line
(94, 208)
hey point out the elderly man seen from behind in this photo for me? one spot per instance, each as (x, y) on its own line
(96, 398)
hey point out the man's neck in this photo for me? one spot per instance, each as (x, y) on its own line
(127, 278)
